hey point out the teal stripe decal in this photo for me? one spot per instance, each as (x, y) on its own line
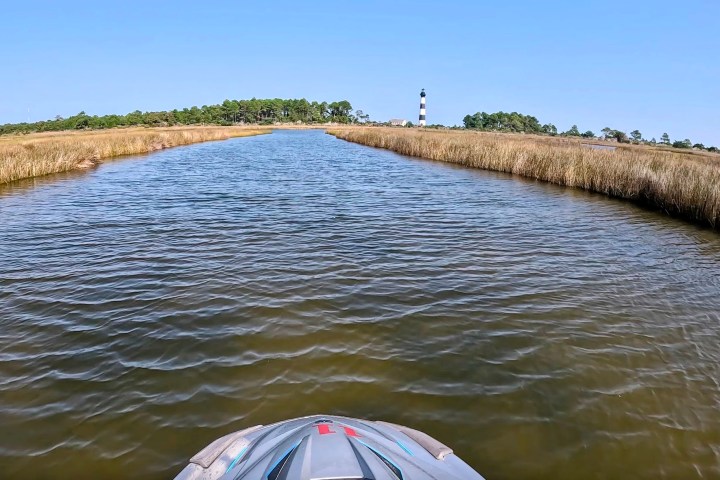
(237, 459)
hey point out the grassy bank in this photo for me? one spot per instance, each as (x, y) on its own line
(681, 184)
(25, 156)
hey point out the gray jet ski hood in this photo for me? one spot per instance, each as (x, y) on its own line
(324, 447)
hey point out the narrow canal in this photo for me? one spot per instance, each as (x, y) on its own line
(158, 302)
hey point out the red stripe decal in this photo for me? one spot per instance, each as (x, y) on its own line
(324, 429)
(350, 432)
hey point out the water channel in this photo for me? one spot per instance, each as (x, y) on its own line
(158, 302)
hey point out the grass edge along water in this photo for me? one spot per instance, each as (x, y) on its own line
(34, 155)
(684, 185)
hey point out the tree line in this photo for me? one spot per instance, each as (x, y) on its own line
(518, 123)
(253, 111)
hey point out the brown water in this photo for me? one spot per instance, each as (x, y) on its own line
(158, 302)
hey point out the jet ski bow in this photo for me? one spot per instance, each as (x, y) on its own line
(324, 447)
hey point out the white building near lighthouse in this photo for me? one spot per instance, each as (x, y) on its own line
(422, 108)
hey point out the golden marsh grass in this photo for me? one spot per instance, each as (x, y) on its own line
(25, 156)
(681, 184)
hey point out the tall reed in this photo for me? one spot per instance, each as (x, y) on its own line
(42, 154)
(685, 185)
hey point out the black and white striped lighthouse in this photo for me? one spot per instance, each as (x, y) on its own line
(422, 108)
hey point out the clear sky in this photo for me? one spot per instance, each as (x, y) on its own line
(650, 65)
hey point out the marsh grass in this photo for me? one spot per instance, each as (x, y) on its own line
(681, 184)
(25, 156)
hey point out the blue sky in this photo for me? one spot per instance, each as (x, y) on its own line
(650, 65)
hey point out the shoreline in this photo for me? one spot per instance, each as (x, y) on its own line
(39, 154)
(682, 185)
